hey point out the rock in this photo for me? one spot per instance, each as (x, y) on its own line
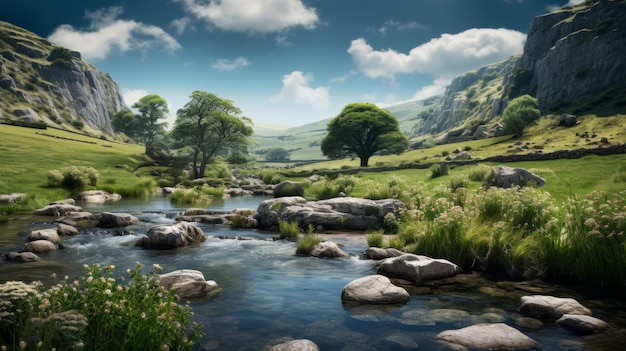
(296, 345)
(57, 210)
(172, 236)
(188, 284)
(44, 234)
(288, 188)
(582, 323)
(12, 198)
(416, 268)
(377, 253)
(115, 220)
(328, 249)
(66, 230)
(463, 155)
(314, 178)
(545, 307)
(374, 289)
(22, 257)
(98, 196)
(497, 336)
(26, 115)
(40, 246)
(197, 212)
(568, 120)
(508, 177)
(68, 201)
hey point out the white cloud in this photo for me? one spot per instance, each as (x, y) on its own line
(131, 96)
(258, 16)
(442, 57)
(398, 26)
(297, 89)
(230, 65)
(181, 24)
(107, 33)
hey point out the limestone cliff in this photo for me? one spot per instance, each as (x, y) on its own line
(570, 55)
(67, 93)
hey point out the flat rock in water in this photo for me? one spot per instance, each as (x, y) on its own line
(296, 345)
(22, 257)
(40, 246)
(497, 336)
(188, 283)
(547, 307)
(416, 268)
(374, 289)
(115, 220)
(328, 249)
(44, 234)
(582, 323)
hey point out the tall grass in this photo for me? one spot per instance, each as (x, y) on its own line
(96, 312)
(327, 188)
(202, 195)
(288, 230)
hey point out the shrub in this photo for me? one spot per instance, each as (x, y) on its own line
(375, 239)
(77, 178)
(435, 171)
(479, 173)
(327, 189)
(458, 181)
(239, 222)
(390, 223)
(288, 230)
(54, 178)
(97, 310)
(307, 242)
(396, 242)
(190, 196)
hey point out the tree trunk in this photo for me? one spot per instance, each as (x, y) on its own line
(364, 161)
(194, 165)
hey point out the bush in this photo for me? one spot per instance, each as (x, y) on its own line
(54, 178)
(391, 224)
(288, 230)
(239, 222)
(479, 173)
(375, 239)
(96, 312)
(203, 195)
(74, 178)
(435, 171)
(328, 189)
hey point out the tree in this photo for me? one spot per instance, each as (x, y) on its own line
(125, 121)
(277, 154)
(520, 113)
(363, 129)
(152, 108)
(210, 126)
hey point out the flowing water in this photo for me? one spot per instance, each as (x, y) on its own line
(269, 294)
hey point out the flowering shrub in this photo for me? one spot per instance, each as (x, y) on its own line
(96, 312)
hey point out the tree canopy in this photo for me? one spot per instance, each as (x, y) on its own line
(363, 129)
(520, 113)
(210, 126)
(144, 127)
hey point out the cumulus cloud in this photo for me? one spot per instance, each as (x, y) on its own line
(259, 16)
(398, 26)
(131, 96)
(107, 33)
(230, 65)
(297, 88)
(181, 25)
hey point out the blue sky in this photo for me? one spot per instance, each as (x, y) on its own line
(284, 62)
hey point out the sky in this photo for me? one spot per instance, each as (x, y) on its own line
(284, 62)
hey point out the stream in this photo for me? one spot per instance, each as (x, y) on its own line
(270, 295)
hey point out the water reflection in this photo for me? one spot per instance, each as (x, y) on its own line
(269, 294)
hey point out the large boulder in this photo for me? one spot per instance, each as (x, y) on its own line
(328, 249)
(22, 257)
(509, 177)
(337, 213)
(39, 246)
(44, 234)
(485, 336)
(546, 307)
(416, 268)
(374, 290)
(115, 220)
(568, 120)
(378, 253)
(188, 284)
(66, 230)
(288, 188)
(172, 236)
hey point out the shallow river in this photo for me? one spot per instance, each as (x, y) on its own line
(269, 294)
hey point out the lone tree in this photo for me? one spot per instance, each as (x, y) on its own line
(210, 126)
(144, 127)
(520, 113)
(363, 129)
(277, 154)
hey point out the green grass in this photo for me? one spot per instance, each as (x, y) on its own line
(27, 157)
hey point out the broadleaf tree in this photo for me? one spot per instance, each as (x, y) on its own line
(363, 129)
(210, 126)
(520, 113)
(145, 127)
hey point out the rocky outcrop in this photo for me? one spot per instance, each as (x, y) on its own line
(337, 213)
(576, 52)
(115, 220)
(485, 336)
(171, 236)
(374, 290)
(57, 94)
(57, 210)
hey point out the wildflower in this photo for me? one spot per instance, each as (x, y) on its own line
(143, 315)
(107, 292)
(109, 267)
(157, 268)
(22, 344)
(165, 347)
